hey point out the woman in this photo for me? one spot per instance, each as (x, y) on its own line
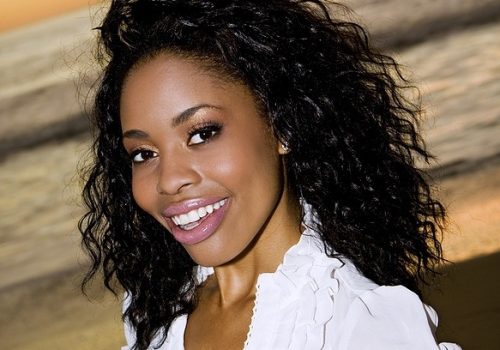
(254, 183)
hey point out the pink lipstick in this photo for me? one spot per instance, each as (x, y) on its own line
(193, 221)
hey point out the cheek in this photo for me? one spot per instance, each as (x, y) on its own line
(247, 167)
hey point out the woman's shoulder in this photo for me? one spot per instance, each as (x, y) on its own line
(389, 317)
(350, 310)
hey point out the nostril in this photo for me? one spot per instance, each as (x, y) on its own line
(174, 179)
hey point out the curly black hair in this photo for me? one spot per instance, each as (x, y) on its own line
(330, 96)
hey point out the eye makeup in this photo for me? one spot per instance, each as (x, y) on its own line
(204, 132)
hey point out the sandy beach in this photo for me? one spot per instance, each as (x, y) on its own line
(46, 73)
(15, 14)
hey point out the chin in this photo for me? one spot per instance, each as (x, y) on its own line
(214, 252)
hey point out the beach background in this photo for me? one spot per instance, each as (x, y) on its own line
(450, 49)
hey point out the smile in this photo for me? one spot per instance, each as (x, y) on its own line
(192, 226)
(192, 219)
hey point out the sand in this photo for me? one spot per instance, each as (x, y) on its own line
(46, 70)
(14, 14)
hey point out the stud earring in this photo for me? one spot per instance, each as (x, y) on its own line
(284, 149)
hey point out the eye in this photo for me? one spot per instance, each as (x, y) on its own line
(142, 155)
(203, 134)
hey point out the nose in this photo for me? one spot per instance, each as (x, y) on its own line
(176, 173)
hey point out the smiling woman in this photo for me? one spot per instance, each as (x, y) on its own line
(202, 154)
(254, 182)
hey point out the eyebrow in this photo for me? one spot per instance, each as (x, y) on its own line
(188, 113)
(183, 117)
(135, 134)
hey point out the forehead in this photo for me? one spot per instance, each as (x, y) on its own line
(166, 85)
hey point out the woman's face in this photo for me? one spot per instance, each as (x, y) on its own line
(205, 163)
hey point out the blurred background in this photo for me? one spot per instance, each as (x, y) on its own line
(450, 49)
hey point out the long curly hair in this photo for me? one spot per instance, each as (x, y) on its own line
(335, 101)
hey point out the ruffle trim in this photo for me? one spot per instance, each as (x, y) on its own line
(294, 304)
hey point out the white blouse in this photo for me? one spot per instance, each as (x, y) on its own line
(316, 302)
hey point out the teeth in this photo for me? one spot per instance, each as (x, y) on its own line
(202, 212)
(196, 214)
(193, 216)
(183, 219)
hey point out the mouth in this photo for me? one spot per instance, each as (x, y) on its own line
(193, 218)
(197, 224)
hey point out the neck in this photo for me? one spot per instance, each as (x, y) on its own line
(236, 281)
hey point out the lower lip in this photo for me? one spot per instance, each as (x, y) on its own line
(206, 228)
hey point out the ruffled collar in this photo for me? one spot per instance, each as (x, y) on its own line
(293, 304)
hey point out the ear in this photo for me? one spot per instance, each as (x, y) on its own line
(283, 148)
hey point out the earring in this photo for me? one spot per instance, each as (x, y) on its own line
(284, 149)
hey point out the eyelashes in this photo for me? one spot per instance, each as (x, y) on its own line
(200, 134)
(204, 133)
(142, 155)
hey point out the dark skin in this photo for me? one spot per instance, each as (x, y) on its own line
(223, 314)
(213, 324)
(240, 161)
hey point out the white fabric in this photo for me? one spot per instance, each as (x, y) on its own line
(316, 302)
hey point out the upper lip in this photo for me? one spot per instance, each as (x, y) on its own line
(188, 205)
